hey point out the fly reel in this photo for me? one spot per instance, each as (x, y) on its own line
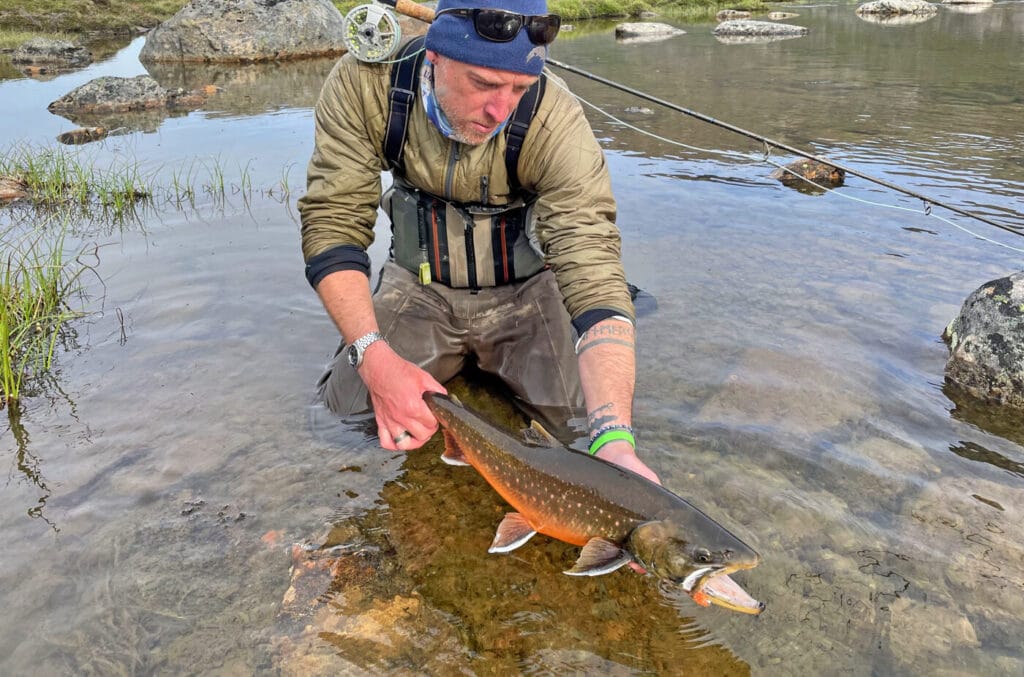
(371, 33)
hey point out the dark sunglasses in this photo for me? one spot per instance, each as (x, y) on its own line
(497, 25)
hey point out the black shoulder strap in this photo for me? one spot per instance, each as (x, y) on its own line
(405, 75)
(515, 131)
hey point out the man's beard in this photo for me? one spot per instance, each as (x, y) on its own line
(463, 130)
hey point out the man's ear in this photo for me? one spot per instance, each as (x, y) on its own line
(432, 55)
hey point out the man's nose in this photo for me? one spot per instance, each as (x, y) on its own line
(501, 104)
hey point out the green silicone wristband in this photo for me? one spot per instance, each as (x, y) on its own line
(611, 436)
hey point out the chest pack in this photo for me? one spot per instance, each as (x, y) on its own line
(462, 245)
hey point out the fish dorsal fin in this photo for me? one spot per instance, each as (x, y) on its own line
(537, 436)
(453, 454)
(599, 556)
(513, 532)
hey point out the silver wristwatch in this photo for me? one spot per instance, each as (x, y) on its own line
(358, 347)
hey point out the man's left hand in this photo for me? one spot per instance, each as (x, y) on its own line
(622, 454)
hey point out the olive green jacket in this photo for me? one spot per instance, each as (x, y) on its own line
(561, 162)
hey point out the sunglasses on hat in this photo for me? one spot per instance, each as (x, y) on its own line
(498, 25)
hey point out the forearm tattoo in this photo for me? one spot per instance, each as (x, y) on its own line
(602, 416)
(619, 333)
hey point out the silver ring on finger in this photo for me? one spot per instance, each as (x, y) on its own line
(401, 437)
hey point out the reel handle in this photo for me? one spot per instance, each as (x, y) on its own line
(410, 8)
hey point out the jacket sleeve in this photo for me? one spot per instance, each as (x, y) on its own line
(575, 210)
(343, 184)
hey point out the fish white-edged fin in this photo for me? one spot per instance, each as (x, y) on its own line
(452, 451)
(513, 532)
(598, 557)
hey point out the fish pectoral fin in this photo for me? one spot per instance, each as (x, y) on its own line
(537, 436)
(513, 532)
(452, 451)
(598, 557)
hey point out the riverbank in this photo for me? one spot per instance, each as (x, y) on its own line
(124, 16)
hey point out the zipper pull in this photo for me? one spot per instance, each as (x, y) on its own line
(484, 189)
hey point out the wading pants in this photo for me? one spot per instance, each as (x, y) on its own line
(519, 332)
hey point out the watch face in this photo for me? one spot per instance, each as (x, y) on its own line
(353, 355)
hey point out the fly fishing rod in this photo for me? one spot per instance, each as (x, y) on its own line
(776, 144)
(374, 35)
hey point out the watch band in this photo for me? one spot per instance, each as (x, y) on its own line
(359, 346)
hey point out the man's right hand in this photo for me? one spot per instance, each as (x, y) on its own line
(396, 389)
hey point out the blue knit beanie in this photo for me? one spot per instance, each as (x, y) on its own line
(455, 37)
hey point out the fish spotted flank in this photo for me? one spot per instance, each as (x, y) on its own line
(616, 515)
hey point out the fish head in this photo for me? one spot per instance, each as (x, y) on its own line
(698, 558)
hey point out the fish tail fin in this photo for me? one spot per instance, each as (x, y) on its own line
(452, 451)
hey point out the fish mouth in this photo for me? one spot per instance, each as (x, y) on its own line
(714, 586)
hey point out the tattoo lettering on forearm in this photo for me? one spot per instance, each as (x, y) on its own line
(618, 333)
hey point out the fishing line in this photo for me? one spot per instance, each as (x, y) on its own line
(928, 201)
(765, 157)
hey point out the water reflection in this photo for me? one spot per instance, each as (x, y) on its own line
(754, 39)
(123, 122)
(896, 19)
(967, 8)
(28, 464)
(249, 89)
(972, 451)
(991, 418)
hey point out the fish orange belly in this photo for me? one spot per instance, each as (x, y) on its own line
(551, 517)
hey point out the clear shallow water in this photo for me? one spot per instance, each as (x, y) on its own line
(790, 384)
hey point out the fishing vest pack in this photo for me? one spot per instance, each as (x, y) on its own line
(462, 245)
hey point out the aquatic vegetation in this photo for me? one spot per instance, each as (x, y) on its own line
(57, 179)
(37, 280)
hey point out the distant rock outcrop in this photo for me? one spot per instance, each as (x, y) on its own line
(897, 7)
(43, 51)
(986, 343)
(730, 14)
(744, 27)
(241, 31)
(645, 31)
(745, 31)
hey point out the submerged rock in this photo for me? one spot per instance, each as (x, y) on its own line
(39, 51)
(82, 135)
(800, 172)
(986, 343)
(11, 189)
(247, 30)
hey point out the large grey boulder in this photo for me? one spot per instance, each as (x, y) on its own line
(242, 31)
(986, 343)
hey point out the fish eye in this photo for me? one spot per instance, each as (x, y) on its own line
(702, 556)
